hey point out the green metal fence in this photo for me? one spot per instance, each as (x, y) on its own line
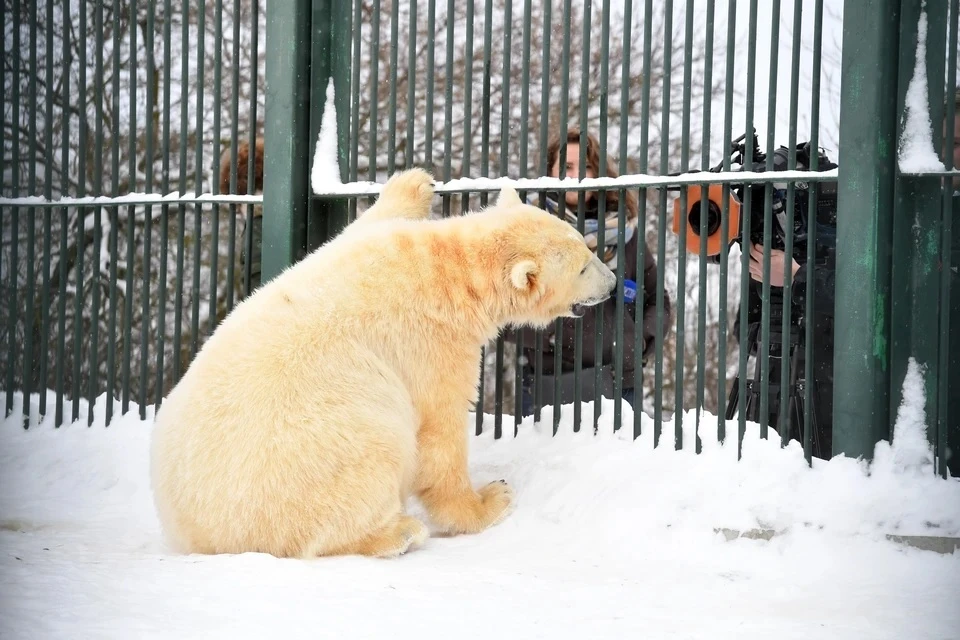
(117, 114)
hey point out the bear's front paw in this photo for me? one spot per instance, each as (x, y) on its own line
(497, 501)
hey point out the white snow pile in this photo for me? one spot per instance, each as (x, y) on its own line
(916, 142)
(611, 537)
(910, 451)
(326, 170)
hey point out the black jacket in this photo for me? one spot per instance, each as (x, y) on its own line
(822, 290)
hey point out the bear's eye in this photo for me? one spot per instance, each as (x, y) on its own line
(584, 270)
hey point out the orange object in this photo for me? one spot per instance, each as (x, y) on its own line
(715, 200)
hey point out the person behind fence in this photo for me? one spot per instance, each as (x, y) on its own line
(821, 288)
(639, 315)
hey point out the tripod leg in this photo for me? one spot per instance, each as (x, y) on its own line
(732, 399)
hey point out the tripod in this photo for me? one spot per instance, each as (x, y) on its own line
(795, 386)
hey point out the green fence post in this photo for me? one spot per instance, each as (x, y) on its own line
(914, 322)
(286, 134)
(867, 158)
(331, 59)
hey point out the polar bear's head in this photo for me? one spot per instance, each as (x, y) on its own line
(549, 271)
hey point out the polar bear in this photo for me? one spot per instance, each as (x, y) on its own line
(342, 387)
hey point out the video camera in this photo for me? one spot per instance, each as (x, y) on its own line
(826, 207)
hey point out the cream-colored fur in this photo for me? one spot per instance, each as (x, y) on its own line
(342, 387)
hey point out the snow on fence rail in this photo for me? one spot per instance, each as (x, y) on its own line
(459, 185)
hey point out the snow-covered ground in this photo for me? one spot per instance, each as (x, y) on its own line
(610, 538)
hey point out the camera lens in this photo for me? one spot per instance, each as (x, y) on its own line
(713, 218)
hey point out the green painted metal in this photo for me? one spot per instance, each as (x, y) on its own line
(948, 427)
(621, 220)
(642, 192)
(812, 238)
(917, 227)
(661, 228)
(14, 262)
(764, 355)
(287, 136)
(745, 220)
(864, 226)
(330, 62)
(704, 164)
(680, 304)
(784, 417)
(724, 229)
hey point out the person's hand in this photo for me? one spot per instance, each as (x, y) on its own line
(777, 269)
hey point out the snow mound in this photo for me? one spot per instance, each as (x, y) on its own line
(610, 537)
(916, 141)
(326, 168)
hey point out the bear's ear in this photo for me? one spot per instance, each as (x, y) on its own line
(523, 274)
(508, 196)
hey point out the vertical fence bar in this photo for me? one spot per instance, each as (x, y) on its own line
(198, 179)
(81, 230)
(354, 159)
(47, 212)
(374, 92)
(621, 224)
(537, 390)
(61, 363)
(601, 196)
(30, 315)
(165, 188)
(408, 149)
(704, 165)
(431, 56)
(97, 214)
(561, 197)
(448, 105)
(215, 179)
(146, 312)
(181, 208)
(681, 302)
(917, 206)
(234, 142)
(248, 285)
(465, 169)
(392, 104)
(786, 331)
(808, 401)
(662, 223)
(865, 198)
(523, 171)
(948, 426)
(644, 157)
(332, 37)
(725, 225)
(504, 170)
(114, 218)
(286, 149)
(764, 354)
(131, 220)
(585, 73)
(750, 141)
(467, 102)
(15, 225)
(484, 172)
